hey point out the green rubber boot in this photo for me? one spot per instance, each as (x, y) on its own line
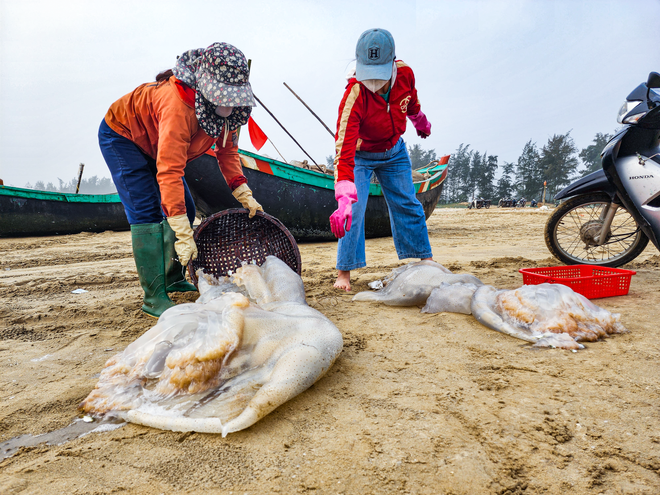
(174, 272)
(148, 254)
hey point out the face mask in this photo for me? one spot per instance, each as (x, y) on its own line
(374, 85)
(224, 111)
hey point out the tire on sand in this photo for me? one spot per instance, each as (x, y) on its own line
(635, 249)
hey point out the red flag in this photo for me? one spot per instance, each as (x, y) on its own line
(257, 136)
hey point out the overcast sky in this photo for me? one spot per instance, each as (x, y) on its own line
(490, 73)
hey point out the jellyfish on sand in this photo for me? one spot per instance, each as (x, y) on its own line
(548, 315)
(219, 366)
(450, 298)
(411, 284)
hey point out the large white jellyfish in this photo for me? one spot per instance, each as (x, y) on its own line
(411, 284)
(548, 315)
(219, 365)
(450, 298)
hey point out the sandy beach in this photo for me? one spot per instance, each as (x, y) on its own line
(415, 404)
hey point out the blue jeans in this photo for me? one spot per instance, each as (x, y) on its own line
(134, 175)
(394, 172)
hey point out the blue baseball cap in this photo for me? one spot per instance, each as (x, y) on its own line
(375, 54)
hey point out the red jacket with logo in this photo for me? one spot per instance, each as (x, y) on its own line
(160, 119)
(367, 122)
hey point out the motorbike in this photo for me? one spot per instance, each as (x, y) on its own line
(521, 203)
(533, 204)
(608, 217)
(479, 203)
(506, 203)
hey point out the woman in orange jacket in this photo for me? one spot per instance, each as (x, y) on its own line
(149, 135)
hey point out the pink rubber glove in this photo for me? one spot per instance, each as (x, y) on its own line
(346, 195)
(422, 124)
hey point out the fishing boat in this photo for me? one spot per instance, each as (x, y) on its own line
(302, 199)
(27, 212)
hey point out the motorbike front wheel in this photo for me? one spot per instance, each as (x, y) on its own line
(571, 230)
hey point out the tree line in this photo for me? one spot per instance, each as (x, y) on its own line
(472, 173)
(93, 185)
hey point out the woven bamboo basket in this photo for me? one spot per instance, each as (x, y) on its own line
(229, 238)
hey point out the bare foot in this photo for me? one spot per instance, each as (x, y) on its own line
(343, 280)
(427, 259)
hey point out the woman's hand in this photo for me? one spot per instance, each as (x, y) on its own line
(422, 124)
(346, 195)
(244, 196)
(185, 246)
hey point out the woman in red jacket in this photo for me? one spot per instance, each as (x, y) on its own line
(372, 118)
(149, 135)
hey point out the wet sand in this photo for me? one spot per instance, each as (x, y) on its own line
(416, 403)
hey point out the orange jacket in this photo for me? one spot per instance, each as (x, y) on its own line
(160, 119)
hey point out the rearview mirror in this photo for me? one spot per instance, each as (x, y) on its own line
(654, 80)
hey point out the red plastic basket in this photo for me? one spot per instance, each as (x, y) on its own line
(589, 280)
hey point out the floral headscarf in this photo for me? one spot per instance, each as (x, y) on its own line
(219, 74)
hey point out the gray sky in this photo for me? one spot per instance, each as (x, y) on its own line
(490, 73)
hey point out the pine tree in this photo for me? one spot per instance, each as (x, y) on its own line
(416, 155)
(529, 174)
(590, 155)
(476, 166)
(505, 185)
(459, 174)
(420, 157)
(486, 176)
(559, 163)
